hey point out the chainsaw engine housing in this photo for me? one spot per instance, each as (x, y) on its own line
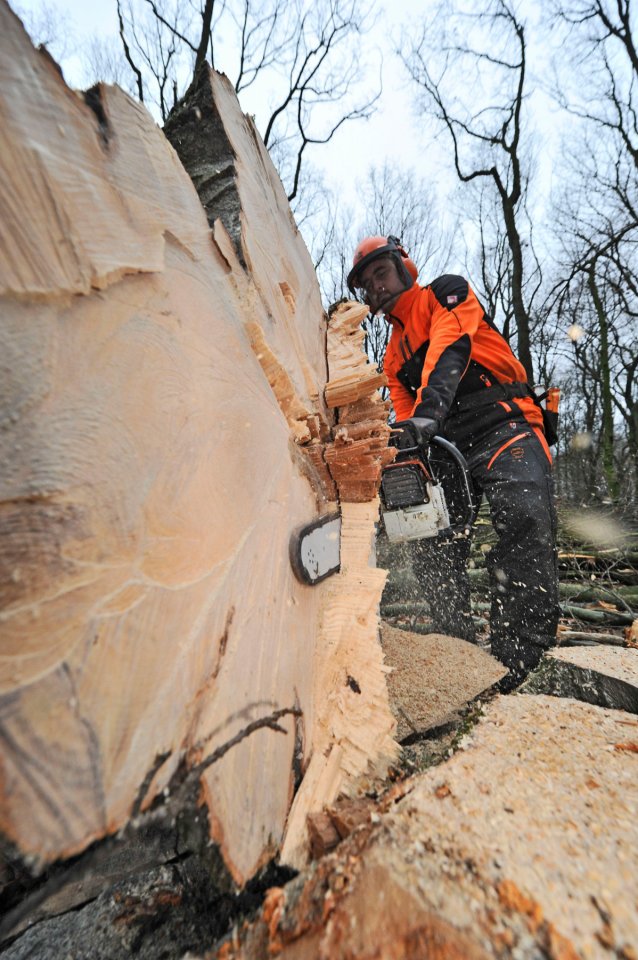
(419, 522)
(413, 497)
(414, 506)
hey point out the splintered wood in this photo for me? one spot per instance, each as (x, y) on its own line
(353, 721)
(164, 430)
(352, 379)
(360, 449)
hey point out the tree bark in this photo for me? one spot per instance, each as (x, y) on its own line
(607, 426)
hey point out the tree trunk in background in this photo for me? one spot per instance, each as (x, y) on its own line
(521, 313)
(164, 431)
(607, 425)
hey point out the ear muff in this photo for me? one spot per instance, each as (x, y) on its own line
(409, 264)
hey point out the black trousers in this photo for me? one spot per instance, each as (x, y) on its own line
(508, 466)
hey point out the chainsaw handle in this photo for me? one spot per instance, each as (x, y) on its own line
(465, 525)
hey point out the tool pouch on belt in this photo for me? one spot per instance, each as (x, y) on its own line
(549, 409)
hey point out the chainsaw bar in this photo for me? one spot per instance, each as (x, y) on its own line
(315, 549)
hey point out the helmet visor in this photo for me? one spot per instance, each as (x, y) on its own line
(379, 281)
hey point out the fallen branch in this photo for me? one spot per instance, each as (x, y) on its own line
(612, 617)
(568, 638)
(625, 597)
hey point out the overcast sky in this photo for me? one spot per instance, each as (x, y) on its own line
(391, 133)
(395, 133)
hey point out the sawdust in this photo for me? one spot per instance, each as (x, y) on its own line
(433, 677)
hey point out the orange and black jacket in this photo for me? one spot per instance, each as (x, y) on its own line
(444, 350)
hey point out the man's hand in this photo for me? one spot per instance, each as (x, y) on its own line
(425, 428)
(417, 431)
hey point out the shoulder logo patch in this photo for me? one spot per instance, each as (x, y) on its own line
(453, 298)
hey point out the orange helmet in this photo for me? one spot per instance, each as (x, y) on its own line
(372, 248)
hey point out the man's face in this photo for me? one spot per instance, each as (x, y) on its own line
(381, 284)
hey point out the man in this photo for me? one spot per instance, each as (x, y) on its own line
(450, 372)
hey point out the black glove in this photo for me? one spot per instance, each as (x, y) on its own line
(417, 431)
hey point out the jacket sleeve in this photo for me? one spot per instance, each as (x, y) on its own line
(456, 314)
(402, 399)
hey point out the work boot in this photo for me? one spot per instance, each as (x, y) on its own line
(520, 665)
(511, 681)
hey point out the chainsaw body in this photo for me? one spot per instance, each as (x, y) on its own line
(413, 496)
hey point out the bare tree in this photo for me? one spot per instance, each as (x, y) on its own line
(399, 203)
(394, 202)
(48, 27)
(156, 50)
(600, 37)
(318, 79)
(597, 294)
(298, 62)
(388, 202)
(598, 217)
(478, 94)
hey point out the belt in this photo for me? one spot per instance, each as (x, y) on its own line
(481, 398)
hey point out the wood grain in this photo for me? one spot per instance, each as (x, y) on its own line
(162, 432)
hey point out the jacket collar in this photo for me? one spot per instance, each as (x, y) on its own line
(403, 306)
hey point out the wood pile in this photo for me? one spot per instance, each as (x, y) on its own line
(598, 590)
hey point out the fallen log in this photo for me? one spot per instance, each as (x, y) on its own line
(595, 615)
(609, 575)
(573, 611)
(418, 609)
(621, 595)
(394, 610)
(164, 432)
(485, 856)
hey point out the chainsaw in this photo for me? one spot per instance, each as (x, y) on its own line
(414, 507)
(412, 493)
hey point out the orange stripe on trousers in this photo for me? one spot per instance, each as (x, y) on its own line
(508, 443)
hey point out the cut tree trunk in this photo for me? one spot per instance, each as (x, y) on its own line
(433, 677)
(164, 431)
(523, 844)
(605, 676)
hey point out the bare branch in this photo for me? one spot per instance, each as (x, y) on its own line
(127, 54)
(486, 139)
(171, 26)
